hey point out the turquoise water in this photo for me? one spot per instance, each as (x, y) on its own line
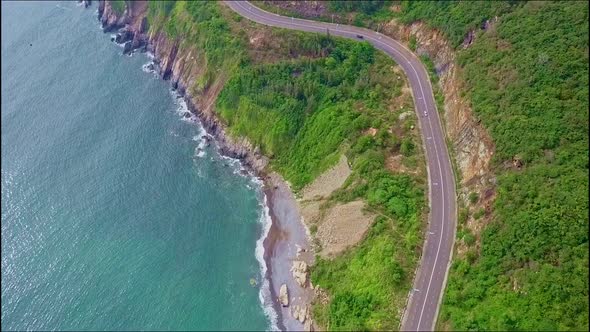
(111, 218)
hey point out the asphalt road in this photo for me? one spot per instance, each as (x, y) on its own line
(422, 309)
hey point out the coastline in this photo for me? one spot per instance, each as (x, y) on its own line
(287, 240)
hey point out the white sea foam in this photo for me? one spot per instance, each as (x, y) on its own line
(200, 149)
(183, 111)
(239, 169)
(146, 68)
(264, 294)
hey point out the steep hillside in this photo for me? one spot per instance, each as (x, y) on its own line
(522, 69)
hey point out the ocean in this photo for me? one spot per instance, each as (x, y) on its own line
(116, 214)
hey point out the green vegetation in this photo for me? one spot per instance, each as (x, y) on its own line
(527, 80)
(473, 197)
(479, 213)
(201, 25)
(412, 43)
(313, 99)
(307, 106)
(366, 7)
(454, 18)
(365, 284)
(118, 6)
(310, 107)
(365, 11)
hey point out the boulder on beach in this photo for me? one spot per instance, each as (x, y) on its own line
(284, 296)
(299, 313)
(299, 270)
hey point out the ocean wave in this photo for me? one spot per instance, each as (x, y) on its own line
(200, 149)
(112, 37)
(183, 110)
(150, 67)
(264, 294)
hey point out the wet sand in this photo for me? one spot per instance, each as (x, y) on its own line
(285, 234)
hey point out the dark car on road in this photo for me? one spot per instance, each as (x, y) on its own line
(360, 37)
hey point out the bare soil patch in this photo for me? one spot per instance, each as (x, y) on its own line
(329, 181)
(343, 226)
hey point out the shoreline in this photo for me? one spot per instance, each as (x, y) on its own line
(287, 240)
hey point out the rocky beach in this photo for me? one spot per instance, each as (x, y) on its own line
(288, 256)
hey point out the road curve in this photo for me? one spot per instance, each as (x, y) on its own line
(425, 297)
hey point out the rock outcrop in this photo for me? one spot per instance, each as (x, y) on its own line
(109, 19)
(299, 270)
(284, 296)
(300, 313)
(183, 67)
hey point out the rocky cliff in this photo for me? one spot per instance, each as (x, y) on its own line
(183, 66)
(471, 144)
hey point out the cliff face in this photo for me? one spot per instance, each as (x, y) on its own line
(182, 65)
(472, 145)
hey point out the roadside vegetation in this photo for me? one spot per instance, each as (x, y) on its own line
(528, 83)
(454, 18)
(304, 105)
(527, 79)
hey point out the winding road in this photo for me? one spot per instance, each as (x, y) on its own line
(425, 297)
